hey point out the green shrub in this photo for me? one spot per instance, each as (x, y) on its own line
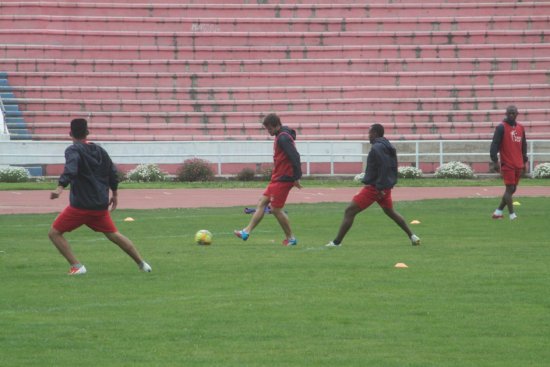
(246, 174)
(121, 175)
(14, 174)
(454, 170)
(195, 169)
(146, 173)
(409, 172)
(542, 171)
(267, 172)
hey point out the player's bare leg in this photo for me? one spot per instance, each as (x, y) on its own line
(349, 216)
(62, 246)
(507, 199)
(258, 214)
(283, 220)
(398, 218)
(125, 244)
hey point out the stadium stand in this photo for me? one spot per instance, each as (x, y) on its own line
(10, 110)
(209, 70)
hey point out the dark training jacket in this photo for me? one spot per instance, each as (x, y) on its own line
(381, 171)
(91, 173)
(286, 159)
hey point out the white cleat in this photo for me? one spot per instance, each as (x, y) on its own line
(144, 267)
(75, 270)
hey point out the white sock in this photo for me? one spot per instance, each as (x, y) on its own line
(497, 212)
(513, 215)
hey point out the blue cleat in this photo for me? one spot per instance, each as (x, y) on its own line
(242, 234)
(292, 242)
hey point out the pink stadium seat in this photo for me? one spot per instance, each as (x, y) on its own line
(205, 69)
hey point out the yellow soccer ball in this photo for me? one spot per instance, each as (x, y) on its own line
(203, 237)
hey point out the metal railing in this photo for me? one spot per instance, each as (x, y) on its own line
(329, 153)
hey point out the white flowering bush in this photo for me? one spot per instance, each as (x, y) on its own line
(454, 170)
(14, 174)
(359, 177)
(409, 172)
(542, 171)
(146, 173)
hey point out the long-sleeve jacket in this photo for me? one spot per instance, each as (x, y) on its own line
(91, 173)
(381, 171)
(286, 159)
(509, 139)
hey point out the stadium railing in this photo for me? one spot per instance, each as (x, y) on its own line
(327, 154)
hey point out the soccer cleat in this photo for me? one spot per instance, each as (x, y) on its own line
(496, 216)
(415, 240)
(242, 234)
(513, 217)
(292, 242)
(332, 244)
(74, 270)
(144, 267)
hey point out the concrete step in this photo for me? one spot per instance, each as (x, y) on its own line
(327, 10)
(259, 105)
(241, 39)
(288, 117)
(187, 52)
(297, 92)
(277, 65)
(303, 129)
(229, 80)
(354, 137)
(272, 2)
(233, 24)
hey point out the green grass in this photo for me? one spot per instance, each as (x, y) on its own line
(230, 184)
(474, 294)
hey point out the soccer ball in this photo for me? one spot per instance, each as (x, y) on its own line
(203, 237)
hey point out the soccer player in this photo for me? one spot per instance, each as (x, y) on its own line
(509, 140)
(286, 174)
(91, 173)
(380, 177)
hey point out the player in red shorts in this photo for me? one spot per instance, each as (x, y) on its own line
(509, 140)
(380, 177)
(286, 174)
(91, 173)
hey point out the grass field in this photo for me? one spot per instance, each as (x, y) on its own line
(474, 294)
(307, 182)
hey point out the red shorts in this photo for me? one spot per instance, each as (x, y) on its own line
(278, 192)
(72, 218)
(369, 195)
(511, 176)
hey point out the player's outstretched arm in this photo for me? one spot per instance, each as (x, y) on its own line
(114, 200)
(55, 194)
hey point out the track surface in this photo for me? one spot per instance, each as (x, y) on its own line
(20, 202)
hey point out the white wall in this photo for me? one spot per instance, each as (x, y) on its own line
(221, 152)
(52, 152)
